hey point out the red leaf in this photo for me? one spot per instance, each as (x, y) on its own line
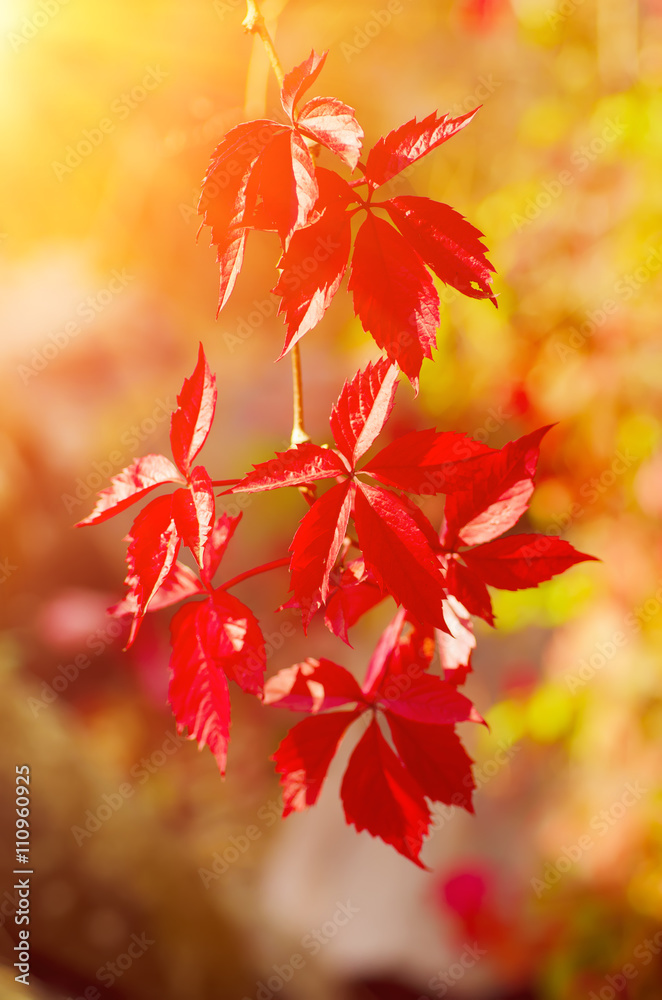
(315, 261)
(193, 418)
(282, 189)
(380, 796)
(394, 296)
(223, 197)
(470, 590)
(456, 646)
(305, 463)
(383, 654)
(303, 757)
(300, 79)
(498, 495)
(520, 561)
(333, 124)
(230, 256)
(312, 686)
(355, 593)
(399, 554)
(198, 691)
(152, 550)
(131, 484)
(363, 407)
(180, 583)
(217, 543)
(429, 699)
(436, 759)
(428, 462)
(232, 640)
(409, 143)
(447, 243)
(315, 547)
(193, 511)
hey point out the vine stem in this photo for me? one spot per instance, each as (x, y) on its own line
(264, 568)
(254, 22)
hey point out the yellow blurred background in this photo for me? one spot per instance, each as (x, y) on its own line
(187, 886)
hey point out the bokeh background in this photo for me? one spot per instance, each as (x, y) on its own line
(108, 113)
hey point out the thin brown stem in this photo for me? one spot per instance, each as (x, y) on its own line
(255, 23)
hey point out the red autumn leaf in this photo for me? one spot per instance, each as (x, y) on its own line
(131, 484)
(380, 796)
(315, 261)
(469, 589)
(498, 495)
(436, 759)
(428, 462)
(428, 699)
(153, 545)
(355, 592)
(193, 511)
(520, 561)
(299, 80)
(447, 243)
(407, 144)
(363, 407)
(312, 686)
(231, 638)
(230, 257)
(455, 646)
(198, 691)
(333, 124)
(399, 554)
(394, 295)
(315, 546)
(302, 464)
(180, 583)
(304, 756)
(192, 420)
(217, 543)
(282, 190)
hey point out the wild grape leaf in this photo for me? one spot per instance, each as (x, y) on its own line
(469, 589)
(429, 699)
(363, 407)
(131, 484)
(198, 691)
(520, 561)
(194, 510)
(455, 646)
(230, 257)
(315, 547)
(353, 594)
(282, 189)
(299, 80)
(447, 243)
(380, 796)
(192, 420)
(428, 462)
(153, 546)
(498, 495)
(304, 756)
(394, 295)
(399, 554)
(436, 759)
(408, 143)
(217, 543)
(333, 124)
(179, 584)
(312, 686)
(297, 466)
(315, 261)
(231, 638)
